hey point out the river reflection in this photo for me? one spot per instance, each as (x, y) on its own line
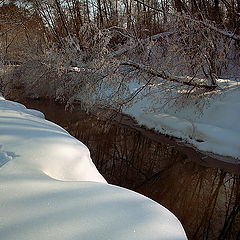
(206, 200)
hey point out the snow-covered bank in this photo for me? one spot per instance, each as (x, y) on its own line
(38, 144)
(215, 128)
(34, 155)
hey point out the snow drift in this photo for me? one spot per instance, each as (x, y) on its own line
(50, 188)
(214, 128)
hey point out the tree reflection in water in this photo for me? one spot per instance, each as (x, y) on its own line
(206, 200)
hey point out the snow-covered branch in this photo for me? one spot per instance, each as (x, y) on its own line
(186, 80)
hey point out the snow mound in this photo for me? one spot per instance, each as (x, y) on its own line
(42, 145)
(10, 106)
(46, 209)
(34, 155)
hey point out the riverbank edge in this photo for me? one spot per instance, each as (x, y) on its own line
(206, 159)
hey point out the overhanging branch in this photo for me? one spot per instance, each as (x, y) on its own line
(198, 83)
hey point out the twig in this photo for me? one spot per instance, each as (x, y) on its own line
(220, 31)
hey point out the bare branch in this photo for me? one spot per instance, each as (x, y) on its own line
(151, 7)
(220, 31)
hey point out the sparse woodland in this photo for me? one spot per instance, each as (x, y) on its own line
(105, 56)
(73, 50)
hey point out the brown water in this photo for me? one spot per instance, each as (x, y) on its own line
(201, 191)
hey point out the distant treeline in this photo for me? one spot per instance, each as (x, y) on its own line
(59, 18)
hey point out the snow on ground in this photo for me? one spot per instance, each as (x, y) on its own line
(216, 128)
(26, 133)
(50, 189)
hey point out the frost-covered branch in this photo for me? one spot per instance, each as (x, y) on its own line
(186, 80)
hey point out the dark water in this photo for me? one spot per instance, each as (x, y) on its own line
(205, 199)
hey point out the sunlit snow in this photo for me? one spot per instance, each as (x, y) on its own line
(214, 128)
(50, 188)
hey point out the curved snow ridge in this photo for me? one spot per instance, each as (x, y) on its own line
(43, 146)
(46, 209)
(34, 153)
(73, 162)
(6, 105)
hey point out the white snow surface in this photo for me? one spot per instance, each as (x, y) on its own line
(38, 144)
(50, 189)
(215, 129)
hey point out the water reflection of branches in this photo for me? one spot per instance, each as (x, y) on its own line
(205, 200)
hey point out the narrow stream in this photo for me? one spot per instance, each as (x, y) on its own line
(205, 197)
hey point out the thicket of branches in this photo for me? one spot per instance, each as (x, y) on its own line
(72, 49)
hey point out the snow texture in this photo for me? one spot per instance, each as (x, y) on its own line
(215, 129)
(50, 189)
(42, 145)
(5, 156)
